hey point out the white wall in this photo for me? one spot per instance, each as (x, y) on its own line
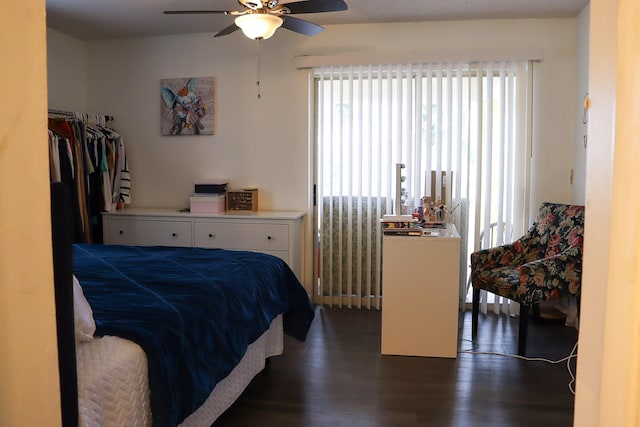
(264, 143)
(261, 143)
(29, 385)
(582, 87)
(66, 71)
(553, 119)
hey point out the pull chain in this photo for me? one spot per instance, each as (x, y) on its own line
(259, 40)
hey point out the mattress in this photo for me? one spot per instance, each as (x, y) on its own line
(113, 386)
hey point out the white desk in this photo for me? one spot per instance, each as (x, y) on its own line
(420, 286)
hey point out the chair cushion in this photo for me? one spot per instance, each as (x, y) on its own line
(544, 264)
(502, 281)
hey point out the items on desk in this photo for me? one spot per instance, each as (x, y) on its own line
(433, 210)
(399, 225)
(405, 225)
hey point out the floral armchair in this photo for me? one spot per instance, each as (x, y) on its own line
(543, 265)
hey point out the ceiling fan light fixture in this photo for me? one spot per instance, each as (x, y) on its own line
(258, 26)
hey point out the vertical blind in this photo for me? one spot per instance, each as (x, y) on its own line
(460, 129)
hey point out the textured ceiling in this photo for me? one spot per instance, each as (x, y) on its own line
(98, 19)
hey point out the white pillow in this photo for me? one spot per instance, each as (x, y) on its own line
(84, 323)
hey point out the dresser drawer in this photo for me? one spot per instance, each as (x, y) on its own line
(256, 237)
(273, 232)
(147, 233)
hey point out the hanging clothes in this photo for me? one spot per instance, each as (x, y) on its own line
(89, 158)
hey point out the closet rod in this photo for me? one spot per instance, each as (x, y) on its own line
(74, 114)
(62, 113)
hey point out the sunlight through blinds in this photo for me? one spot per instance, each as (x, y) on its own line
(461, 129)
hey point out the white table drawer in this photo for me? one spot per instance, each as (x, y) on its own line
(258, 237)
(148, 233)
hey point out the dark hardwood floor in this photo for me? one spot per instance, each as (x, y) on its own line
(338, 378)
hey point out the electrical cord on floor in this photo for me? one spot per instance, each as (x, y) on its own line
(573, 377)
(566, 359)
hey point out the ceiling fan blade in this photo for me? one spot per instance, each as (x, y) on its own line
(196, 12)
(228, 30)
(316, 6)
(301, 26)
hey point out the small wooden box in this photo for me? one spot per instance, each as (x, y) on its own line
(242, 200)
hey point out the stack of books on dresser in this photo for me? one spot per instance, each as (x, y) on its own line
(208, 196)
(400, 225)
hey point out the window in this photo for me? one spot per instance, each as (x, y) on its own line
(458, 128)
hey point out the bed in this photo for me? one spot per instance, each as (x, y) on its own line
(169, 336)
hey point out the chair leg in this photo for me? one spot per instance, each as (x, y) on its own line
(578, 306)
(475, 309)
(523, 327)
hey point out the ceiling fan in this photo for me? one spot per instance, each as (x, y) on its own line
(259, 19)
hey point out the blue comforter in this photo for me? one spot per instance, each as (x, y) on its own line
(194, 312)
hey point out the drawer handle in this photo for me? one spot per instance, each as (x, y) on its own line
(211, 235)
(268, 237)
(173, 235)
(121, 232)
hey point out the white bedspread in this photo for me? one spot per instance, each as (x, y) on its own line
(113, 388)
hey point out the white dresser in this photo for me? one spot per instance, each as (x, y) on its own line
(420, 294)
(274, 232)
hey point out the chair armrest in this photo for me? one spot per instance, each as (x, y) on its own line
(551, 278)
